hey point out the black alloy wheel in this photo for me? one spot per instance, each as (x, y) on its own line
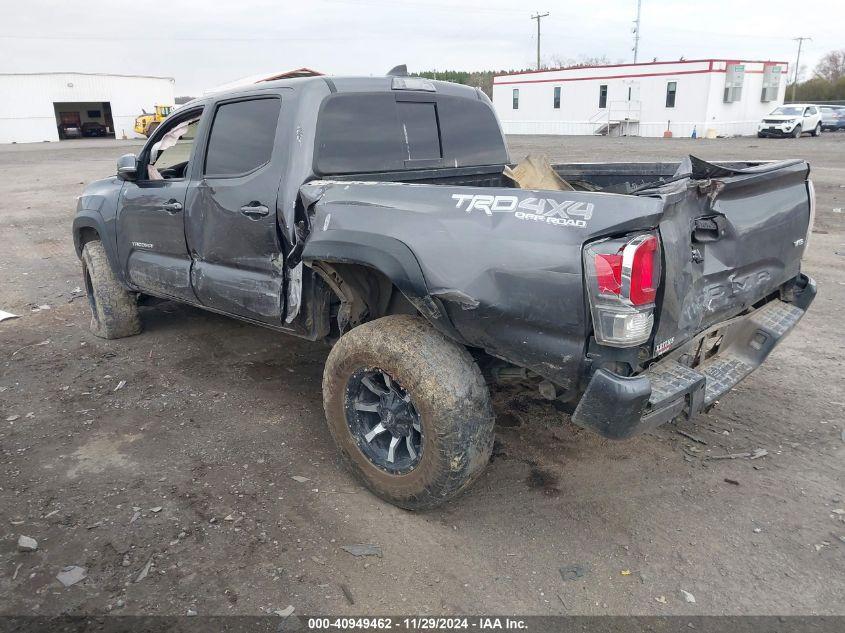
(383, 421)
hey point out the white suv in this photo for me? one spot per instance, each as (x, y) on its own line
(791, 120)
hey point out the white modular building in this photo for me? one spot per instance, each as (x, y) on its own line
(36, 106)
(713, 97)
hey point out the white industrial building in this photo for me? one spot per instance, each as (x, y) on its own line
(35, 104)
(710, 96)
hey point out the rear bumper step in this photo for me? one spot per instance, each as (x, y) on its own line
(619, 407)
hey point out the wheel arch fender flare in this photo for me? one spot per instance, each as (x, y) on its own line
(89, 225)
(391, 257)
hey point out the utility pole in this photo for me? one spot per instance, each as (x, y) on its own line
(537, 17)
(637, 30)
(800, 41)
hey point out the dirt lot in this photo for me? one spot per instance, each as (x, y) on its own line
(209, 419)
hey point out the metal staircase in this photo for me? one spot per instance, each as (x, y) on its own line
(620, 118)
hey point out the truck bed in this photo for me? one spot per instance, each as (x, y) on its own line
(608, 177)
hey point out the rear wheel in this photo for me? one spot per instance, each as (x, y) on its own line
(796, 133)
(409, 411)
(818, 130)
(114, 312)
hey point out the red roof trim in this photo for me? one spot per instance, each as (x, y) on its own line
(600, 77)
(684, 61)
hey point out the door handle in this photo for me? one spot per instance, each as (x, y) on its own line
(255, 210)
(171, 206)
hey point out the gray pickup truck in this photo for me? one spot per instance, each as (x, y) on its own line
(373, 214)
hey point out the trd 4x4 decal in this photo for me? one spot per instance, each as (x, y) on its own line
(545, 210)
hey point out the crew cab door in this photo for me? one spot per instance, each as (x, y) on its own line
(231, 211)
(150, 216)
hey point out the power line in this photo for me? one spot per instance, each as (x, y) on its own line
(538, 17)
(145, 38)
(425, 5)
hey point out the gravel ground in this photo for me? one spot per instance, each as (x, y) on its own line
(163, 464)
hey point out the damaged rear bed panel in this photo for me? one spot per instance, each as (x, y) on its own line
(504, 263)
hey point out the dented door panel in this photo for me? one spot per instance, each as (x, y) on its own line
(231, 219)
(236, 259)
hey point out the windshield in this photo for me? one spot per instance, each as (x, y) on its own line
(789, 111)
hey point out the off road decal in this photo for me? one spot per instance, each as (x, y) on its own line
(545, 210)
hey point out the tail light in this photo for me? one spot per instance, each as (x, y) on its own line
(622, 280)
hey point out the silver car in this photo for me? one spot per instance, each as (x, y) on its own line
(833, 117)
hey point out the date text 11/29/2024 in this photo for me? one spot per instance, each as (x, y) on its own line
(481, 623)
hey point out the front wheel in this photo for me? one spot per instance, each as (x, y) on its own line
(114, 311)
(409, 411)
(818, 130)
(796, 133)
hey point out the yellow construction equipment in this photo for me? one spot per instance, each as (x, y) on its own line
(146, 123)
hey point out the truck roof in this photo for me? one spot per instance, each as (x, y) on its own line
(342, 84)
(383, 124)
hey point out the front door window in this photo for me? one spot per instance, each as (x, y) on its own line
(169, 155)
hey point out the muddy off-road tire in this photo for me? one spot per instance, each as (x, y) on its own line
(431, 396)
(114, 312)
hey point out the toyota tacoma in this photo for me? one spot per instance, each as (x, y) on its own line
(373, 214)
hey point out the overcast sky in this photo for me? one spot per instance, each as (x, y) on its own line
(202, 43)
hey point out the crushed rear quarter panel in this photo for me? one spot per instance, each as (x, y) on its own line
(507, 268)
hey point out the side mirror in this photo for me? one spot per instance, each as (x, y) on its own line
(127, 167)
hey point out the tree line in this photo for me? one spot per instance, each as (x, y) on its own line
(826, 84)
(484, 78)
(479, 79)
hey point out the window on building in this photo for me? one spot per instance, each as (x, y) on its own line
(603, 96)
(734, 78)
(516, 98)
(557, 98)
(94, 114)
(671, 91)
(771, 82)
(242, 137)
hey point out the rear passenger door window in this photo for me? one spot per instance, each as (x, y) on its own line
(242, 137)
